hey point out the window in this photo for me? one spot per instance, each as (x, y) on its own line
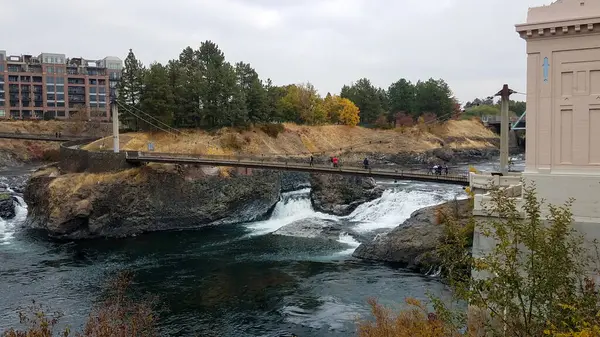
(39, 113)
(102, 90)
(60, 97)
(45, 60)
(93, 90)
(102, 98)
(2, 97)
(1, 67)
(51, 97)
(50, 88)
(1, 80)
(1, 104)
(51, 104)
(37, 79)
(93, 98)
(60, 104)
(15, 113)
(50, 79)
(60, 80)
(13, 78)
(102, 105)
(93, 81)
(2, 113)
(60, 113)
(60, 88)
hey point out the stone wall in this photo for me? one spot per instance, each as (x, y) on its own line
(73, 159)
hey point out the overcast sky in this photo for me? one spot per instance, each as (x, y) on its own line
(472, 44)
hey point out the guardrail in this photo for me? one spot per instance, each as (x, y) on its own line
(461, 178)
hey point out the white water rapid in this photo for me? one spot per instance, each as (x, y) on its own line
(396, 205)
(7, 227)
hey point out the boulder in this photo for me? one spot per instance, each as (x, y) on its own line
(340, 195)
(149, 198)
(312, 228)
(7, 207)
(413, 244)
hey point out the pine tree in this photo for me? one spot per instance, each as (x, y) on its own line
(157, 98)
(130, 87)
(254, 93)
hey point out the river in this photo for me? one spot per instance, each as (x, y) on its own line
(238, 280)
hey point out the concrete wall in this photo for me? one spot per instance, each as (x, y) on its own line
(74, 160)
(563, 103)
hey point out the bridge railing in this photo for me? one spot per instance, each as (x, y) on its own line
(277, 161)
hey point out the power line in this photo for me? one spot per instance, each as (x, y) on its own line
(137, 116)
(152, 117)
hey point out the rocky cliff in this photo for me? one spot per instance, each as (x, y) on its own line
(149, 198)
(413, 244)
(340, 195)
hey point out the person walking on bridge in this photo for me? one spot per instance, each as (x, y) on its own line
(335, 162)
(366, 163)
(312, 160)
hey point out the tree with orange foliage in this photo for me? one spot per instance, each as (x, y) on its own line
(341, 110)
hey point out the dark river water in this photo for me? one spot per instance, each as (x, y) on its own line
(239, 280)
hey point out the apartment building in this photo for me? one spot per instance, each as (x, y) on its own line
(54, 86)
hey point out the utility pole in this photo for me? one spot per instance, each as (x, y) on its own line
(115, 122)
(504, 127)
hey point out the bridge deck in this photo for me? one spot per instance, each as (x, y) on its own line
(39, 137)
(143, 157)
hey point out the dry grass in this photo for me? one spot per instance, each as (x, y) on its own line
(51, 127)
(301, 140)
(412, 322)
(26, 150)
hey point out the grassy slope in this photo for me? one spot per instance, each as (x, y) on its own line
(301, 140)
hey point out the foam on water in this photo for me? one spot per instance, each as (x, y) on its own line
(293, 206)
(7, 227)
(394, 207)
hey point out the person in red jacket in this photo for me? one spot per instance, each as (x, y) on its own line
(335, 161)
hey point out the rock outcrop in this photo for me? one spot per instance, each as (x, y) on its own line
(7, 207)
(413, 244)
(312, 228)
(149, 198)
(340, 195)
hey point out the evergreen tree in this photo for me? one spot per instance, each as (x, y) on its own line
(434, 96)
(401, 96)
(367, 98)
(254, 93)
(274, 101)
(222, 102)
(130, 87)
(157, 98)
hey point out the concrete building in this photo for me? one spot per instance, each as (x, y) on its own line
(53, 86)
(563, 108)
(563, 104)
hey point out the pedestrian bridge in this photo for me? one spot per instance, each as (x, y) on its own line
(289, 164)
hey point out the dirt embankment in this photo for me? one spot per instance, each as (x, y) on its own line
(451, 141)
(14, 152)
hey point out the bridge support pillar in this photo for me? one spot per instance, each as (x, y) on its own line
(115, 125)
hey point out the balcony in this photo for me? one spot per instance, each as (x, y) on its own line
(13, 90)
(79, 81)
(14, 69)
(38, 104)
(76, 91)
(37, 79)
(13, 78)
(76, 99)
